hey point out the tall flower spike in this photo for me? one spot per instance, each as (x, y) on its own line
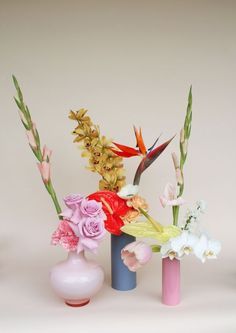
(43, 156)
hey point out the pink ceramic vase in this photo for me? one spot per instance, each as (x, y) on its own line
(170, 281)
(76, 279)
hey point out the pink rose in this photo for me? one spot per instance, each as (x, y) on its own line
(92, 208)
(65, 236)
(90, 231)
(73, 200)
(135, 255)
(73, 212)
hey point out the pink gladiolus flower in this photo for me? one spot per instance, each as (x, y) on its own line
(31, 139)
(135, 255)
(170, 198)
(65, 236)
(44, 169)
(46, 153)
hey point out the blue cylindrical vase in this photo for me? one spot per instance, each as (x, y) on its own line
(121, 277)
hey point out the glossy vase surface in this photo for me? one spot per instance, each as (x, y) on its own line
(121, 277)
(76, 279)
(170, 281)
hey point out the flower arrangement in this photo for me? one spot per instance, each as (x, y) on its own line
(174, 241)
(118, 208)
(106, 158)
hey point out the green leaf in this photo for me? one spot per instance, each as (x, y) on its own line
(18, 103)
(16, 84)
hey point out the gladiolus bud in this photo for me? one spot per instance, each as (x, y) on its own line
(185, 146)
(46, 153)
(182, 136)
(22, 117)
(31, 139)
(44, 169)
(179, 175)
(175, 160)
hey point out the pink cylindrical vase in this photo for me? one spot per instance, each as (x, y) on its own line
(170, 281)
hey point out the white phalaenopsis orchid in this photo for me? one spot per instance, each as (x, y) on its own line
(178, 246)
(169, 198)
(207, 248)
(187, 242)
(128, 191)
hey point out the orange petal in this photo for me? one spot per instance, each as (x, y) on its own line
(131, 151)
(140, 142)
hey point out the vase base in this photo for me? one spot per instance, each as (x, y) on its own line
(77, 303)
(171, 303)
(123, 288)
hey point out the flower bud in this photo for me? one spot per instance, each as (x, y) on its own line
(182, 136)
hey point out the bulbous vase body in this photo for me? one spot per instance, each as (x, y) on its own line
(76, 279)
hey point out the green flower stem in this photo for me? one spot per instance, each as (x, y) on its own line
(183, 153)
(29, 126)
(55, 200)
(155, 224)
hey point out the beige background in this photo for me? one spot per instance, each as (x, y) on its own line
(128, 62)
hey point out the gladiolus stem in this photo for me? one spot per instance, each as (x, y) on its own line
(55, 200)
(184, 137)
(29, 125)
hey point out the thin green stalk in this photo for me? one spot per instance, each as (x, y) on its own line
(29, 126)
(185, 135)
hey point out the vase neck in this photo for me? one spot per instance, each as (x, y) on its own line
(74, 256)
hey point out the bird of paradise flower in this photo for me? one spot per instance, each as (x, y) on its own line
(148, 155)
